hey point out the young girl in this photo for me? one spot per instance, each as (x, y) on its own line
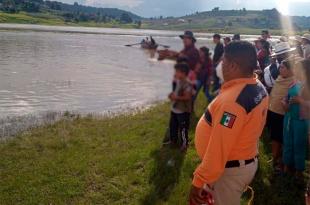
(295, 126)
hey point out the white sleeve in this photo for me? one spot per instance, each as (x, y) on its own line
(219, 72)
(268, 78)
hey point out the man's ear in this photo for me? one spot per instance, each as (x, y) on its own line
(234, 67)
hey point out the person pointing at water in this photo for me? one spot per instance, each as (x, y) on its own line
(227, 135)
(190, 52)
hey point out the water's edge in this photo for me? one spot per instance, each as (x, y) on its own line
(13, 126)
(104, 31)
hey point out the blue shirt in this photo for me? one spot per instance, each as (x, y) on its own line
(294, 109)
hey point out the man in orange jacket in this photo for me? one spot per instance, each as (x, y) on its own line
(228, 133)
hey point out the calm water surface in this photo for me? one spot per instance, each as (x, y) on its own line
(80, 69)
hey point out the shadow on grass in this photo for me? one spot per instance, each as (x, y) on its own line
(273, 189)
(194, 121)
(166, 170)
(164, 175)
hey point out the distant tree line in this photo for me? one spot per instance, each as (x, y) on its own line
(238, 18)
(70, 13)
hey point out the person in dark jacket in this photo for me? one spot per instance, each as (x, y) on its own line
(217, 57)
(218, 50)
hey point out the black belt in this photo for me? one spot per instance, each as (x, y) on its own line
(236, 163)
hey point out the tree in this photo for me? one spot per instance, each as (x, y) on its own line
(31, 6)
(139, 24)
(83, 17)
(125, 18)
(9, 6)
(244, 11)
(216, 9)
(51, 5)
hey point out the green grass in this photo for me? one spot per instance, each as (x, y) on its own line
(24, 18)
(54, 20)
(117, 160)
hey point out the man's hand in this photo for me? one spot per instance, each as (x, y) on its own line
(164, 54)
(196, 196)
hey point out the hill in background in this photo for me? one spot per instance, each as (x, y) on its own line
(37, 11)
(221, 21)
(231, 21)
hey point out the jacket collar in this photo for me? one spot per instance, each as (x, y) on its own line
(238, 81)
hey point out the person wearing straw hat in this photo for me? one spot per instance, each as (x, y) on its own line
(306, 45)
(282, 51)
(190, 52)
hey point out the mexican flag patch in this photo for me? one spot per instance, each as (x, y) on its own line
(228, 120)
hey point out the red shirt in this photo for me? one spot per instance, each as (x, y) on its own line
(192, 55)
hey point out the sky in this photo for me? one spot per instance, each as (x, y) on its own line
(151, 8)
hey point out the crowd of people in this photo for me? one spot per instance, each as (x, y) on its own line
(249, 86)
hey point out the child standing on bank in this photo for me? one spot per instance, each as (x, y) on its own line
(181, 108)
(295, 126)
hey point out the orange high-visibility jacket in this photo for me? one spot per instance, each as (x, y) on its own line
(230, 128)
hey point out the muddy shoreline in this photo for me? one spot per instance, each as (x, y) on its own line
(12, 126)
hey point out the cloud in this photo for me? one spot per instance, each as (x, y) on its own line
(114, 3)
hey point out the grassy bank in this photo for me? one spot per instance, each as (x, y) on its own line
(117, 160)
(53, 20)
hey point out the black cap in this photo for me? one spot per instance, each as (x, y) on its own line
(188, 34)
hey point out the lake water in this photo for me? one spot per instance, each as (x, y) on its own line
(87, 70)
(79, 71)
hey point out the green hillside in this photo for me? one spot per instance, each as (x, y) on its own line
(50, 19)
(230, 21)
(221, 21)
(57, 13)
